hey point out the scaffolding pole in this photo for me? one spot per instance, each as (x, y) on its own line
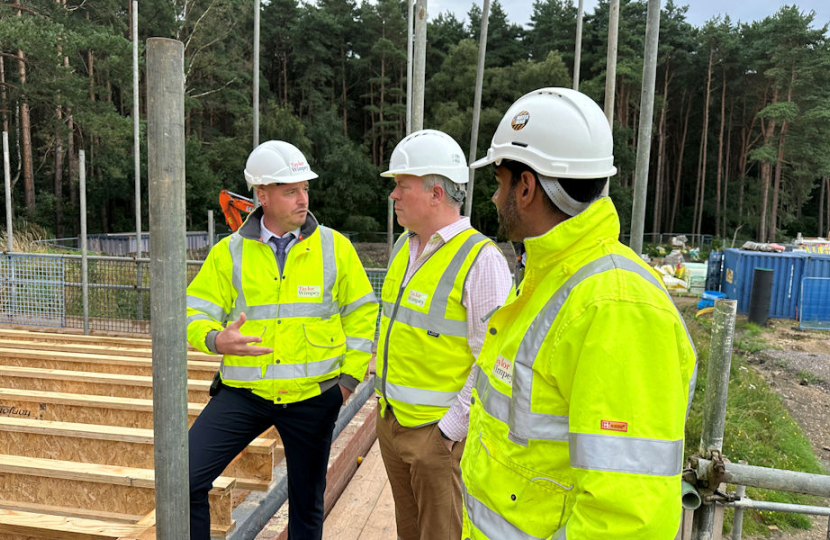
(7, 175)
(482, 51)
(84, 254)
(611, 67)
(419, 65)
(638, 211)
(578, 45)
(168, 278)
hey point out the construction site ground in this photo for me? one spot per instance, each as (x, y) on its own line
(796, 364)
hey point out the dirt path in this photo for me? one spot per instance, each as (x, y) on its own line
(797, 366)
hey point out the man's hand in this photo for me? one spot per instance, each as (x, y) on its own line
(231, 341)
(449, 444)
(346, 393)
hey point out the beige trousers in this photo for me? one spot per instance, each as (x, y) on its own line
(425, 478)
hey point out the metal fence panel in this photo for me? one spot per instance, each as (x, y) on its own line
(45, 290)
(32, 290)
(815, 303)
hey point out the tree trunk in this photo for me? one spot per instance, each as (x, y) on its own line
(826, 232)
(705, 142)
(779, 164)
(822, 192)
(26, 138)
(766, 175)
(661, 145)
(680, 161)
(3, 97)
(726, 168)
(720, 155)
(343, 88)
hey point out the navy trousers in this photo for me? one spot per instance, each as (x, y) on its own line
(232, 419)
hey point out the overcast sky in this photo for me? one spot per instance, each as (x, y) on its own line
(699, 12)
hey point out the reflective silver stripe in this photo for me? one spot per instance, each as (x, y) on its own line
(351, 307)
(419, 396)
(359, 344)
(561, 534)
(281, 371)
(521, 419)
(235, 247)
(549, 427)
(205, 306)
(399, 243)
(692, 384)
(264, 312)
(441, 297)
(302, 309)
(329, 267)
(198, 317)
(625, 454)
(424, 321)
(490, 522)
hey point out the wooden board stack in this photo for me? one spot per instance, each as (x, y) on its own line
(76, 439)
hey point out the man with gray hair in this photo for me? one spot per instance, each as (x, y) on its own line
(443, 278)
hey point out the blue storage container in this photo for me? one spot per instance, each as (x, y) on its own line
(814, 302)
(788, 269)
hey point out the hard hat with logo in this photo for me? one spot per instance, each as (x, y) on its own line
(429, 152)
(558, 132)
(276, 162)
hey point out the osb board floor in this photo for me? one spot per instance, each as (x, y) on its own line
(365, 510)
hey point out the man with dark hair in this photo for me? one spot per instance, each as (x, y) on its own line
(585, 375)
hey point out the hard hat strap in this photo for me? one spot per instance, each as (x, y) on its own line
(560, 197)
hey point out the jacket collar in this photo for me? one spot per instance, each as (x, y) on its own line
(596, 225)
(251, 228)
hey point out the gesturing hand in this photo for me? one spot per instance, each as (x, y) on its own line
(231, 341)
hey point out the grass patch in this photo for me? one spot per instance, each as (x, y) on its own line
(758, 427)
(807, 376)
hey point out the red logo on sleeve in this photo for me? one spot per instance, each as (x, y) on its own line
(611, 425)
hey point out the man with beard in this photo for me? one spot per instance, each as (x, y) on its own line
(303, 319)
(443, 278)
(586, 372)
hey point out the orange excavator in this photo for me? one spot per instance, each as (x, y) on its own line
(233, 205)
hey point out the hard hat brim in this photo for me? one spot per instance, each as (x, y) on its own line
(483, 162)
(252, 182)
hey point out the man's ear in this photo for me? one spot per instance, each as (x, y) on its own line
(526, 189)
(437, 194)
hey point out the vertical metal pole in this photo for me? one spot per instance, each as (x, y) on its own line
(211, 229)
(738, 519)
(137, 168)
(638, 212)
(7, 176)
(409, 22)
(578, 45)
(168, 278)
(482, 51)
(419, 65)
(84, 261)
(611, 66)
(256, 75)
(136, 132)
(714, 404)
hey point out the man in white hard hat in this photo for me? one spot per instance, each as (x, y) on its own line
(288, 304)
(442, 280)
(584, 379)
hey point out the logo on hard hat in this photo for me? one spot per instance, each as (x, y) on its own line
(299, 166)
(520, 120)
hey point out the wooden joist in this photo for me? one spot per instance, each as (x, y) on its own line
(94, 487)
(86, 382)
(116, 445)
(55, 527)
(101, 363)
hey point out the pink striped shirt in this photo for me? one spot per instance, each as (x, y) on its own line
(486, 288)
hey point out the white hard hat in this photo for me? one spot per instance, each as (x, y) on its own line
(276, 162)
(558, 132)
(429, 152)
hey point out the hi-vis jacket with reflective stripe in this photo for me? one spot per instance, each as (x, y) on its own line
(577, 417)
(423, 356)
(319, 318)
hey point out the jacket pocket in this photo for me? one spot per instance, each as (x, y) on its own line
(325, 346)
(534, 502)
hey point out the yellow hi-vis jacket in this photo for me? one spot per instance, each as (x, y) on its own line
(423, 357)
(584, 379)
(319, 318)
